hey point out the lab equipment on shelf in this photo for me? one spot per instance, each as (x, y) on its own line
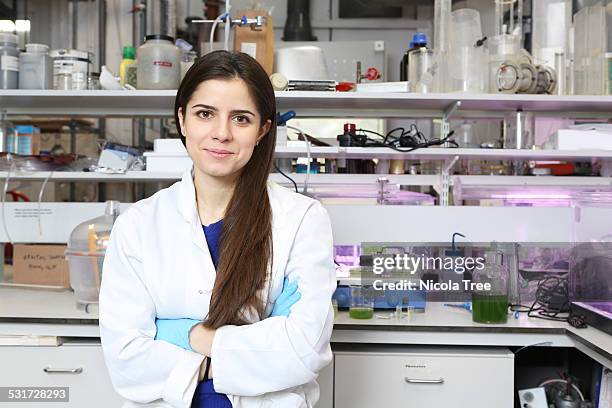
(128, 55)
(70, 69)
(86, 248)
(35, 67)
(9, 61)
(168, 155)
(468, 57)
(419, 40)
(7, 134)
(159, 63)
(421, 70)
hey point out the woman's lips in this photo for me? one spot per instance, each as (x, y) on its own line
(219, 153)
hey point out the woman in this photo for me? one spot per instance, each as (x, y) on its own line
(160, 264)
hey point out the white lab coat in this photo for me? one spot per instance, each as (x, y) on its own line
(158, 265)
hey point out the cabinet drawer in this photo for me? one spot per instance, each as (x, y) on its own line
(424, 377)
(79, 367)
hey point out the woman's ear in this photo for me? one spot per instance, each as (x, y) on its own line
(264, 130)
(181, 121)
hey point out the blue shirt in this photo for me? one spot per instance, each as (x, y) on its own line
(205, 395)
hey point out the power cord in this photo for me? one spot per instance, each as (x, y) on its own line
(551, 303)
(407, 140)
(287, 177)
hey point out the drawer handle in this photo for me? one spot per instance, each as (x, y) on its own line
(50, 370)
(422, 381)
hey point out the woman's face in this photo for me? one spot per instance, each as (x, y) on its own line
(221, 126)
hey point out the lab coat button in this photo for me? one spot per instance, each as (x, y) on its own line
(200, 291)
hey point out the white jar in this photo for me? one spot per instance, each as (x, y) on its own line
(159, 63)
(70, 69)
(35, 67)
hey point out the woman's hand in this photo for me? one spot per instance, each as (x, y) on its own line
(175, 331)
(288, 297)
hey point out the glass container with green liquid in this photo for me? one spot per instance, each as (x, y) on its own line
(362, 302)
(491, 305)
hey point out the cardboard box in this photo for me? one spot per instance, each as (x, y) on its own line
(258, 42)
(40, 265)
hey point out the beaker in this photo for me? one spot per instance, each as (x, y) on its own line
(467, 70)
(466, 59)
(420, 70)
(362, 302)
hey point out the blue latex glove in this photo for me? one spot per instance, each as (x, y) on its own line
(175, 331)
(287, 298)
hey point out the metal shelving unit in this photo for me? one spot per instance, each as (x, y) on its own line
(319, 104)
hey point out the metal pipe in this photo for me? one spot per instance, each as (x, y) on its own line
(134, 22)
(75, 27)
(101, 34)
(101, 61)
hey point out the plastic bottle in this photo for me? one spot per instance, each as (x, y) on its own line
(9, 61)
(419, 40)
(128, 59)
(35, 67)
(159, 63)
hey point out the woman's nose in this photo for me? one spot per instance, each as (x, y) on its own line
(222, 132)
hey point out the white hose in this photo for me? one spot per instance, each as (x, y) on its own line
(212, 30)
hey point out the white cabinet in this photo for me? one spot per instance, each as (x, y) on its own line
(402, 376)
(326, 386)
(79, 367)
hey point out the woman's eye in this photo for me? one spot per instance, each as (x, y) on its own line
(204, 114)
(242, 119)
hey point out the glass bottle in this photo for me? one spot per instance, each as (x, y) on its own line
(490, 301)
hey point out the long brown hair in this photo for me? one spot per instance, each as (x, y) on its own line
(245, 244)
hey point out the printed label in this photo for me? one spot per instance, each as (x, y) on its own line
(249, 48)
(8, 63)
(166, 64)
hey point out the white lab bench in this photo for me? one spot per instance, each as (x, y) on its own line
(376, 348)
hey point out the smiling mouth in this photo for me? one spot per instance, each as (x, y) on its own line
(220, 154)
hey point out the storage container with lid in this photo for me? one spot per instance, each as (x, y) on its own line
(159, 63)
(86, 248)
(35, 67)
(70, 69)
(9, 61)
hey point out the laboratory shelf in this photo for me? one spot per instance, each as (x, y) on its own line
(433, 153)
(146, 176)
(316, 104)
(465, 181)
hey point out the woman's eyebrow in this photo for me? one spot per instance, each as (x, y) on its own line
(212, 108)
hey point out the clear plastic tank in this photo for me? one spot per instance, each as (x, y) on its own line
(85, 253)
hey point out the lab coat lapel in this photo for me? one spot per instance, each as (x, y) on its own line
(189, 210)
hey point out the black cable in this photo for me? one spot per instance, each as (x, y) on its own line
(551, 300)
(290, 179)
(407, 141)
